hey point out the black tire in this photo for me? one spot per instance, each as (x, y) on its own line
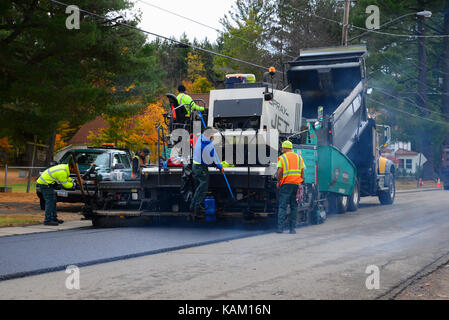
(342, 204)
(42, 203)
(354, 199)
(387, 197)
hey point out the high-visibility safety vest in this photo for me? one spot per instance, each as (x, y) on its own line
(56, 174)
(140, 162)
(291, 164)
(185, 98)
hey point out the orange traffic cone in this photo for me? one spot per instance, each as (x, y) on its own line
(439, 183)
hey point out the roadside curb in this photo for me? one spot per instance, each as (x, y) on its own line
(419, 190)
(428, 269)
(40, 228)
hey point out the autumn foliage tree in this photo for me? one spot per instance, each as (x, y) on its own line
(134, 132)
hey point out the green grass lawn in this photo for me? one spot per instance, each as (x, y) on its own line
(22, 187)
(12, 220)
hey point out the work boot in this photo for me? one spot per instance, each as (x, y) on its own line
(279, 230)
(59, 221)
(51, 223)
(292, 231)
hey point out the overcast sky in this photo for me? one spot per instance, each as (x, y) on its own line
(207, 12)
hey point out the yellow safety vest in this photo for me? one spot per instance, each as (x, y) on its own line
(185, 98)
(56, 174)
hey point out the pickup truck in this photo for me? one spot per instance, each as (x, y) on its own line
(110, 164)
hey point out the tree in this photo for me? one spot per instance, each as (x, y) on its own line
(132, 132)
(245, 26)
(405, 73)
(50, 74)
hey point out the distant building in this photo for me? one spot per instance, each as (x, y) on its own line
(79, 140)
(403, 157)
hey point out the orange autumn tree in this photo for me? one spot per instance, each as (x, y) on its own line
(133, 132)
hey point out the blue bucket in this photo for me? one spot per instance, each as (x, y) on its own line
(209, 203)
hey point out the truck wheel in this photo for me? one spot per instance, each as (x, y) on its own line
(42, 203)
(342, 204)
(354, 199)
(387, 197)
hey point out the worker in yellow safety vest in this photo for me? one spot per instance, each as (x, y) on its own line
(47, 182)
(184, 98)
(290, 175)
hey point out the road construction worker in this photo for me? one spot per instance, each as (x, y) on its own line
(139, 160)
(290, 175)
(185, 98)
(48, 182)
(204, 154)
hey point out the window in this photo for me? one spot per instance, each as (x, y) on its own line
(121, 158)
(408, 164)
(401, 163)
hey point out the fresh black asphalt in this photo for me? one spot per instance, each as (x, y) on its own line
(30, 254)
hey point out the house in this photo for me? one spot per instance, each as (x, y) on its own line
(79, 140)
(403, 157)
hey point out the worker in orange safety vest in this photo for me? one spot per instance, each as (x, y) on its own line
(290, 175)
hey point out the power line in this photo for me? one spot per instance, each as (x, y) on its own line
(406, 101)
(408, 113)
(202, 24)
(414, 78)
(371, 30)
(165, 38)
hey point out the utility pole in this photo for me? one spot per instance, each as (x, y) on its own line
(344, 37)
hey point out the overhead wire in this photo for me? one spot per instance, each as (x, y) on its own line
(371, 30)
(381, 90)
(203, 24)
(408, 113)
(165, 38)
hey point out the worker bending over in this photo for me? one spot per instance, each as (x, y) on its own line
(184, 98)
(203, 156)
(290, 175)
(48, 182)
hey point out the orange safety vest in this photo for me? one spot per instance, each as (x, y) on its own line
(291, 168)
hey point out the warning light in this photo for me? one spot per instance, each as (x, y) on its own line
(330, 131)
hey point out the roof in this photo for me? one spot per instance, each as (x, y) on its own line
(80, 137)
(402, 152)
(203, 96)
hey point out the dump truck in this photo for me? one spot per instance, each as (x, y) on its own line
(322, 112)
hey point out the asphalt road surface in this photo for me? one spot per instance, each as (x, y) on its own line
(329, 261)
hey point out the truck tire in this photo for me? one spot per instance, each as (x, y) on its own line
(354, 199)
(342, 204)
(387, 197)
(336, 203)
(42, 203)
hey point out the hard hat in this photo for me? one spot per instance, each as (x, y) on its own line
(287, 144)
